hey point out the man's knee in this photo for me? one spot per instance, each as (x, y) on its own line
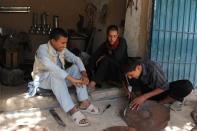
(105, 62)
(181, 88)
(74, 71)
(187, 87)
(74, 67)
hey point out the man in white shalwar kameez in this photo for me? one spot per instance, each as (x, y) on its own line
(49, 73)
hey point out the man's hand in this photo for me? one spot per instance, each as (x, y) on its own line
(128, 94)
(109, 52)
(74, 81)
(84, 78)
(137, 102)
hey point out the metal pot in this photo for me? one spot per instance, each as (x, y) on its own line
(55, 21)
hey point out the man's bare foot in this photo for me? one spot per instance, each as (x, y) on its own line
(92, 85)
(78, 117)
(84, 104)
(87, 107)
(73, 110)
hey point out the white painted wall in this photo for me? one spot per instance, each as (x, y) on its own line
(132, 29)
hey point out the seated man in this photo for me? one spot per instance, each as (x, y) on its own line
(108, 60)
(149, 77)
(49, 73)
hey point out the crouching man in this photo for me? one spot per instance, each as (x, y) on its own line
(149, 78)
(49, 73)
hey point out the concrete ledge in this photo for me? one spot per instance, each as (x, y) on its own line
(106, 93)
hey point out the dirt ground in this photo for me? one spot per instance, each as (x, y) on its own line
(19, 112)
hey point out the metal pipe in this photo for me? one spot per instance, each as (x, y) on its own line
(4, 9)
(43, 19)
(55, 21)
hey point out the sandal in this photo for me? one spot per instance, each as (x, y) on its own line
(91, 109)
(176, 106)
(79, 119)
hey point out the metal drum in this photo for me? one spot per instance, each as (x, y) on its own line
(151, 116)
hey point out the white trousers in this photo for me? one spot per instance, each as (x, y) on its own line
(59, 87)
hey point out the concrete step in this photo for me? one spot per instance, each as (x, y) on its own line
(15, 98)
(107, 92)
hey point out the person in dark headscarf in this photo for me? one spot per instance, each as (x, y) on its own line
(107, 62)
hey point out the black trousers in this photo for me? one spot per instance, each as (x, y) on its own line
(177, 90)
(106, 69)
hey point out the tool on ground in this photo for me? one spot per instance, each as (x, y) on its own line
(130, 99)
(107, 107)
(127, 107)
(129, 87)
(57, 118)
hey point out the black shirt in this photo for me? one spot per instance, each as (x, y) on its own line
(119, 54)
(152, 76)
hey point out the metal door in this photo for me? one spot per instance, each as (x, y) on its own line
(174, 38)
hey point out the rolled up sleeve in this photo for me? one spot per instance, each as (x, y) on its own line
(70, 57)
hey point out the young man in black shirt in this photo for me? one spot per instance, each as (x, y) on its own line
(149, 77)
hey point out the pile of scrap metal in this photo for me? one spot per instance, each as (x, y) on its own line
(43, 27)
(12, 47)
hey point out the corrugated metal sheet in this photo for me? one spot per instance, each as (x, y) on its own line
(174, 38)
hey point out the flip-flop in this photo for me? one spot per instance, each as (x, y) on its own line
(91, 109)
(79, 119)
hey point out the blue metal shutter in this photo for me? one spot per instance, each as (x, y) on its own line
(174, 38)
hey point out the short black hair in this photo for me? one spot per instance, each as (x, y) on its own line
(112, 28)
(57, 32)
(132, 63)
